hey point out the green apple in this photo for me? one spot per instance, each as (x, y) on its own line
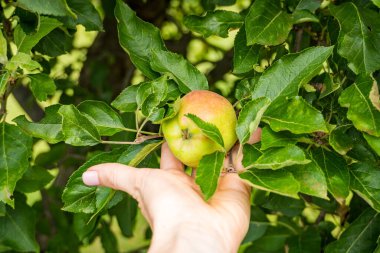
(186, 140)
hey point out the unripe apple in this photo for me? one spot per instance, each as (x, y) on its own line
(186, 140)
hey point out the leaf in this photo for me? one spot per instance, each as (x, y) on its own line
(54, 8)
(311, 5)
(208, 129)
(125, 213)
(56, 43)
(18, 227)
(4, 83)
(15, 151)
(273, 241)
(339, 140)
(245, 57)
(79, 198)
(186, 75)
(360, 236)
(288, 206)
(365, 182)
(376, 2)
(208, 173)
(126, 101)
(303, 16)
(295, 115)
(249, 118)
(308, 241)
(77, 128)
(336, 172)
(284, 78)
(217, 22)
(49, 128)
(108, 239)
(361, 111)
(3, 49)
(329, 86)
(150, 94)
(257, 226)
(34, 179)
(250, 154)
(270, 139)
(267, 23)
(138, 38)
(374, 142)
(311, 178)
(83, 226)
(280, 181)
(21, 60)
(25, 42)
(42, 86)
(244, 88)
(86, 15)
(102, 116)
(277, 158)
(359, 37)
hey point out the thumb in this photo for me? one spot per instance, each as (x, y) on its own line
(116, 176)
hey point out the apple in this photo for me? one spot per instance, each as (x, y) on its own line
(186, 140)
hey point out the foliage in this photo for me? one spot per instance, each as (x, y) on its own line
(305, 71)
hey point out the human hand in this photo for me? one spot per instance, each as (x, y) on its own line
(173, 205)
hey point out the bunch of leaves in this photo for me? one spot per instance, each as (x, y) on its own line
(306, 72)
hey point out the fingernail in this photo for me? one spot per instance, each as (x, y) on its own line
(90, 178)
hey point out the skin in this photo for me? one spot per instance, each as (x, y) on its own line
(171, 202)
(186, 140)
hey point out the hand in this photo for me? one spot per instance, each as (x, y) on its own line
(172, 203)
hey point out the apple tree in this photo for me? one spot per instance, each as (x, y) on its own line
(84, 82)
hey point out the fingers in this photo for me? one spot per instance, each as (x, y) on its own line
(237, 155)
(168, 160)
(116, 176)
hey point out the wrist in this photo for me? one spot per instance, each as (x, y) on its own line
(190, 237)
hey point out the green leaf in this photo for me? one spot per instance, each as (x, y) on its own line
(311, 5)
(273, 241)
(84, 227)
(277, 158)
(3, 49)
(21, 60)
(217, 22)
(77, 128)
(2, 209)
(376, 2)
(270, 139)
(308, 241)
(257, 226)
(55, 43)
(365, 182)
(54, 8)
(311, 178)
(288, 206)
(126, 101)
(374, 142)
(360, 236)
(4, 83)
(208, 129)
(208, 173)
(267, 23)
(245, 57)
(280, 181)
(42, 86)
(138, 38)
(25, 42)
(244, 88)
(186, 75)
(336, 172)
(250, 154)
(290, 73)
(150, 94)
(125, 213)
(329, 86)
(18, 227)
(295, 115)
(359, 37)
(108, 239)
(303, 16)
(15, 151)
(102, 116)
(86, 15)
(361, 111)
(339, 140)
(249, 118)
(49, 128)
(34, 179)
